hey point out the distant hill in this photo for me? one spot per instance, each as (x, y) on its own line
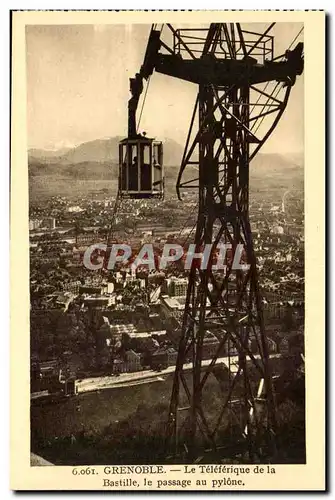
(86, 170)
(47, 154)
(94, 164)
(272, 163)
(264, 166)
(100, 150)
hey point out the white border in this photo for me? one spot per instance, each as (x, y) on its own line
(4, 172)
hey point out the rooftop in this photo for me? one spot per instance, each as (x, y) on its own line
(177, 303)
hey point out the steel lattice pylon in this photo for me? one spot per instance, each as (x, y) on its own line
(243, 90)
(226, 132)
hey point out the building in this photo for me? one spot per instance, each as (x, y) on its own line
(163, 357)
(142, 341)
(291, 310)
(294, 229)
(274, 310)
(62, 300)
(70, 387)
(151, 228)
(49, 223)
(172, 306)
(72, 286)
(87, 239)
(34, 224)
(176, 287)
(75, 209)
(49, 375)
(130, 362)
(278, 230)
(117, 331)
(96, 302)
(91, 289)
(210, 345)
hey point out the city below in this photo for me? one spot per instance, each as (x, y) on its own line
(118, 330)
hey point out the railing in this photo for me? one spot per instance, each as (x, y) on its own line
(189, 39)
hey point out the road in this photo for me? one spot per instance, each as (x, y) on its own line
(147, 376)
(109, 382)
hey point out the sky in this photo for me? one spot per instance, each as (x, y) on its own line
(78, 87)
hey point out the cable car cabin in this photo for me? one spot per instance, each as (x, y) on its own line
(141, 168)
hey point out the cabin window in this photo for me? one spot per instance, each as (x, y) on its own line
(123, 167)
(132, 167)
(157, 166)
(145, 167)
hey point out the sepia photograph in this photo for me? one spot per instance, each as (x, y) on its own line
(166, 168)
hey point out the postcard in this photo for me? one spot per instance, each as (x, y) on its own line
(167, 250)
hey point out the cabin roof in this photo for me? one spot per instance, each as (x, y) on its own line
(140, 138)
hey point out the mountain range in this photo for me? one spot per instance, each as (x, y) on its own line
(98, 160)
(99, 150)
